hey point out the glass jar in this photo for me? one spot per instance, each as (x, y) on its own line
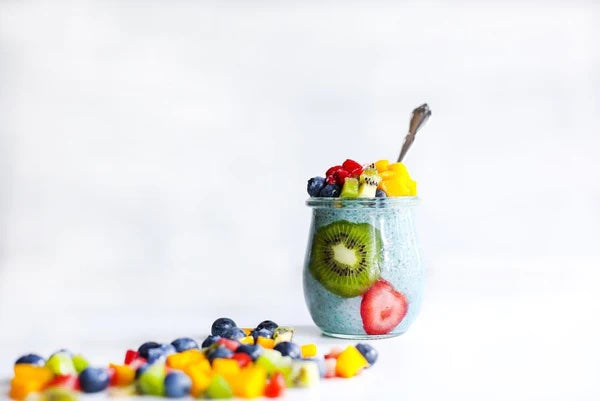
(363, 275)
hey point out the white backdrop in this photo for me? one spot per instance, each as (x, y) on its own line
(154, 156)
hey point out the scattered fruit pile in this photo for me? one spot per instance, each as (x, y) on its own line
(353, 180)
(232, 361)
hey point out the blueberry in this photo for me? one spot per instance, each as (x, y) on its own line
(261, 333)
(368, 352)
(220, 325)
(289, 349)
(267, 324)
(210, 340)
(177, 385)
(93, 380)
(184, 343)
(219, 352)
(31, 359)
(140, 370)
(160, 353)
(253, 351)
(320, 363)
(330, 191)
(315, 185)
(380, 193)
(233, 333)
(143, 349)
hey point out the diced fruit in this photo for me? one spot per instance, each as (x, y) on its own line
(222, 324)
(350, 188)
(201, 376)
(334, 353)
(80, 363)
(210, 340)
(314, 186)
(242, 359)
(382, 165)
(340, 177)
(412, 187)
(267, 324)
(33, 372)
(247, 340)
(330, 367)
(31, 359)
(332, 170)
(389, 175)
(229, 344)
(125, 391)
(290, 349)
(368, 352)
(283, 333)
(350, 362)
(369, 179)
(152, 380)
(58, 394)
(400, 168)
(184, 343)
(130, 355)
(276, 386)
(233, 333)
(330, 191)
(395, 188)
(382, 308)
(247, 330)
(227, 368)
(250, 382)
(320, 364)
(330, 179)
(61, 363)
(264, 342)
(308, 374)
(124, 375)
(253, 350)
(93, 380)
(219, 388)
(177, 384)
(308, 350)
(69, 381)
(137, 363)
(182, 359)
(269, 360)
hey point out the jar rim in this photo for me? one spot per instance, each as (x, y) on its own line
(392, 202)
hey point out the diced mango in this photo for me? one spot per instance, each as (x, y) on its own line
(350, 362)
(247, 340)
(382, 165)
(250, 382)
(182, 359)
(399, 168)
(412, 187)
(267, 343)
(389, 175)
(395, 188)
(247, 330)
(228, 368)
(201, 377)
(124, 375)
(308, 350)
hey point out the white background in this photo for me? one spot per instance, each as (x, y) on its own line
(154, 156)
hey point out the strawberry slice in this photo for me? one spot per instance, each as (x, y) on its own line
(353, 167)
(340, 177)
(333, 170)
(382, 308)
(330, 179)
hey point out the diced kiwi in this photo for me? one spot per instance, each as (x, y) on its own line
(345, 257)
(350, 188)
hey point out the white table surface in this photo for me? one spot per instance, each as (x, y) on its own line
(543, 346)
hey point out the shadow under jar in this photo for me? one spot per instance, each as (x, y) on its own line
(363, 275)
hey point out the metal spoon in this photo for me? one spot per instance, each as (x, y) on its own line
(419, 116)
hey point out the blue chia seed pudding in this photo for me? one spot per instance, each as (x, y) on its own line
(363, 275)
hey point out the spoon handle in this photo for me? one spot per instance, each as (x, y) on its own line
(420, 115)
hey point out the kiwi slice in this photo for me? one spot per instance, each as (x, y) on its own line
(345, 257)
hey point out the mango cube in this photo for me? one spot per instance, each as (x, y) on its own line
(247, 340)
(182, 359)
(250, 382)
(308, 350)
(228, 368)
(382, 165)
(350, 362)
(201, 376)
(266, 343)
(124, 374)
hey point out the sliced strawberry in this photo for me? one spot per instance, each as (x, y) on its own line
(352, 166)
(333, 170)
(65, 381)
(330, 179)
(130, 355)
(382, 308)
(334, 352)
(340, 177)
(276, 386)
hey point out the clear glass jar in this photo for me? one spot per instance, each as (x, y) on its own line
(363, 274)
